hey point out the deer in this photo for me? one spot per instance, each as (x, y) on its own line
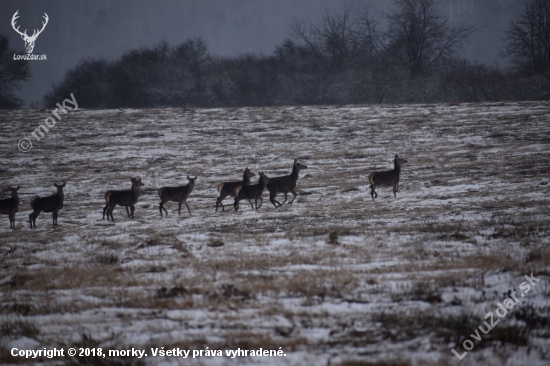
(176, 194)
(10, 206)
(387, 178)
(29, 41)
(228, 188)
(251, 192)
(284, 184)
(52, 204)
(127, 198)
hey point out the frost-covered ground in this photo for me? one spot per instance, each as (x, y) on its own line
(333, 279)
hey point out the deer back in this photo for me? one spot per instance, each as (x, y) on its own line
(177, 193)
(286, 183)
(50, 203)
(253, 190)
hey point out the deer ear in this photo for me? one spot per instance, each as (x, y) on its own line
(396, 156)
(17, 188)
(188, 177)
(64, 184)
(295, 161)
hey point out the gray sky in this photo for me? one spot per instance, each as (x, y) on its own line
(104, 28)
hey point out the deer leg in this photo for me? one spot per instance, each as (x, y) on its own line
(261, 202)
(32, 218)
(251, 204)
(293, 198)
(372, 192)
(220, 199)
(161, 207)
(104, 210)
(12, 220)
(110, 212)
(127, 211)
(132, 208)
(286, 198)
(236, 204)
(186, 205)
(273, 200)
(54, 218)
(394, 190)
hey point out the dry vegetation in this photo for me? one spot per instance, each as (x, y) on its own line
(334, 279)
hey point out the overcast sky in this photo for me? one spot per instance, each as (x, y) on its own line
(105, 28)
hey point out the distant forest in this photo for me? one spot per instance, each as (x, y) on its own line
(345, 58)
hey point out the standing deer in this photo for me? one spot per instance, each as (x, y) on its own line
(387, 178)
(284, 184)
(228, 188)
(52, 204)
(176, 194)
(251, 192)
(126, 198)
(10, 206)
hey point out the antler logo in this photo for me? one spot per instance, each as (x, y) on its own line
(29, 41)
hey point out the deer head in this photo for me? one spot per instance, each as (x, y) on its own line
(29, 41)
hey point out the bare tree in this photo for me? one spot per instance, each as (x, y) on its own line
(528, 39)
(335, 37)
(418, 36)
(12, 74)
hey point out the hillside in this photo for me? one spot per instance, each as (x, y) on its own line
(334, 279)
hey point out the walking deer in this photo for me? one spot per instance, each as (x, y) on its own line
(387, 178)
(176, 194)
(10, 206)
(251, 192)
(228, 188)
(126, 198)
(52, 204)
(284, 184)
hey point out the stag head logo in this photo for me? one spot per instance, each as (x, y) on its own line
(29, 41)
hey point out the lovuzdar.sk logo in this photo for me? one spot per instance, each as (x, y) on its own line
(29, 40)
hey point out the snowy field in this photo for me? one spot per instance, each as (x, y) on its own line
(333, 279)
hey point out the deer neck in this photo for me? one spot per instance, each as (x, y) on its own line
(136, 190)
(397, 167)
(294, 173)
(246, 179)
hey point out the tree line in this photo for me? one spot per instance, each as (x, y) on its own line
(412, 53)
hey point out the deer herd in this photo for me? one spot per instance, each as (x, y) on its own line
(241, 190)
